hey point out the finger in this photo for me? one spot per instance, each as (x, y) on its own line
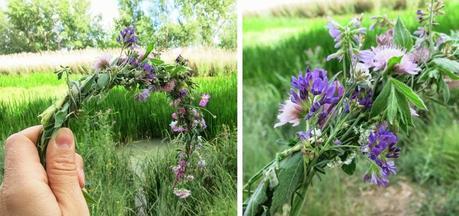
(32, 133)
(21, 158)
(80, 170)
(61, 168)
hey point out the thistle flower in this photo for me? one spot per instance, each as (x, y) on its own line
(102, 62)
(378, 58)
(289, 113)
(204, 100)
(182, 193)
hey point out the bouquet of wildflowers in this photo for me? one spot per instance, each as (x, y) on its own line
(134, 69)
(356, 114)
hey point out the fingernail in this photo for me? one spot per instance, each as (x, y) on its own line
(63, 140)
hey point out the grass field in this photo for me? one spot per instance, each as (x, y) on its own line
(108, 130)
(24, 97)
(276, 48)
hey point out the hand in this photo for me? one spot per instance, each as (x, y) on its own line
(29, 189)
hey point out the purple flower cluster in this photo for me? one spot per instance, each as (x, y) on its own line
(381, 150)
(363, 96)
(204, 100)
(311, 95)
(127, 37)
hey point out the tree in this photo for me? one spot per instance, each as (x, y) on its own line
(35, 25)
(175, 23)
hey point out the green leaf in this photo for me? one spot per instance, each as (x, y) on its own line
(349, 168)
(258, 198)
(150, 48)
(448, 67)
(402, 36)
(405, 113)
(443, 89)
(290, 177)
(392, 62)
(103, 80)
(381, 100)
(59, 118)
(392, 106)
(409, 94)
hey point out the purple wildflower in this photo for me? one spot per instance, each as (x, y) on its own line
(177, 128)
(127, 37)
(335, 32)
(386, 38)
(149, 71)
(144, 95)
(304, 135)
(380, 149)
(421, 55)
(311, 93)
(204, 100)
(421, 16)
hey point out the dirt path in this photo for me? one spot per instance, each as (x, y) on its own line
(402, 198)
(139, 151)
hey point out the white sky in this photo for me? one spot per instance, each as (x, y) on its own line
(107, 8)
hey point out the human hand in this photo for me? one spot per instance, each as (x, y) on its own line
(29, 189)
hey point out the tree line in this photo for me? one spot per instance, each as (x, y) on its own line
(37, 25)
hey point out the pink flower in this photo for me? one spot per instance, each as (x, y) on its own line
(182, 193)
(102, 62)
(407, 65)
(204, 100)
(169, 86)
(289, 113)
(378, 58)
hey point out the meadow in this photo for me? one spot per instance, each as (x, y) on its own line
(126, 144)
(275, 48)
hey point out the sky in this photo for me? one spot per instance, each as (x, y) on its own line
(108, 9)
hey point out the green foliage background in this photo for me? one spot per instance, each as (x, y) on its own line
(37, 25)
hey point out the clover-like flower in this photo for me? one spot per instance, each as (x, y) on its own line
(381, 149)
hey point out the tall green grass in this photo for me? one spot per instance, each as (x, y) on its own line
(286, 57)
(213, 189)
(134, 120)
(121, 187)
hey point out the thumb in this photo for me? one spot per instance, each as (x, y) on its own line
(61, 168)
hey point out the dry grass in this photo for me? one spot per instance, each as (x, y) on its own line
(318, 8)
(207, 61)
